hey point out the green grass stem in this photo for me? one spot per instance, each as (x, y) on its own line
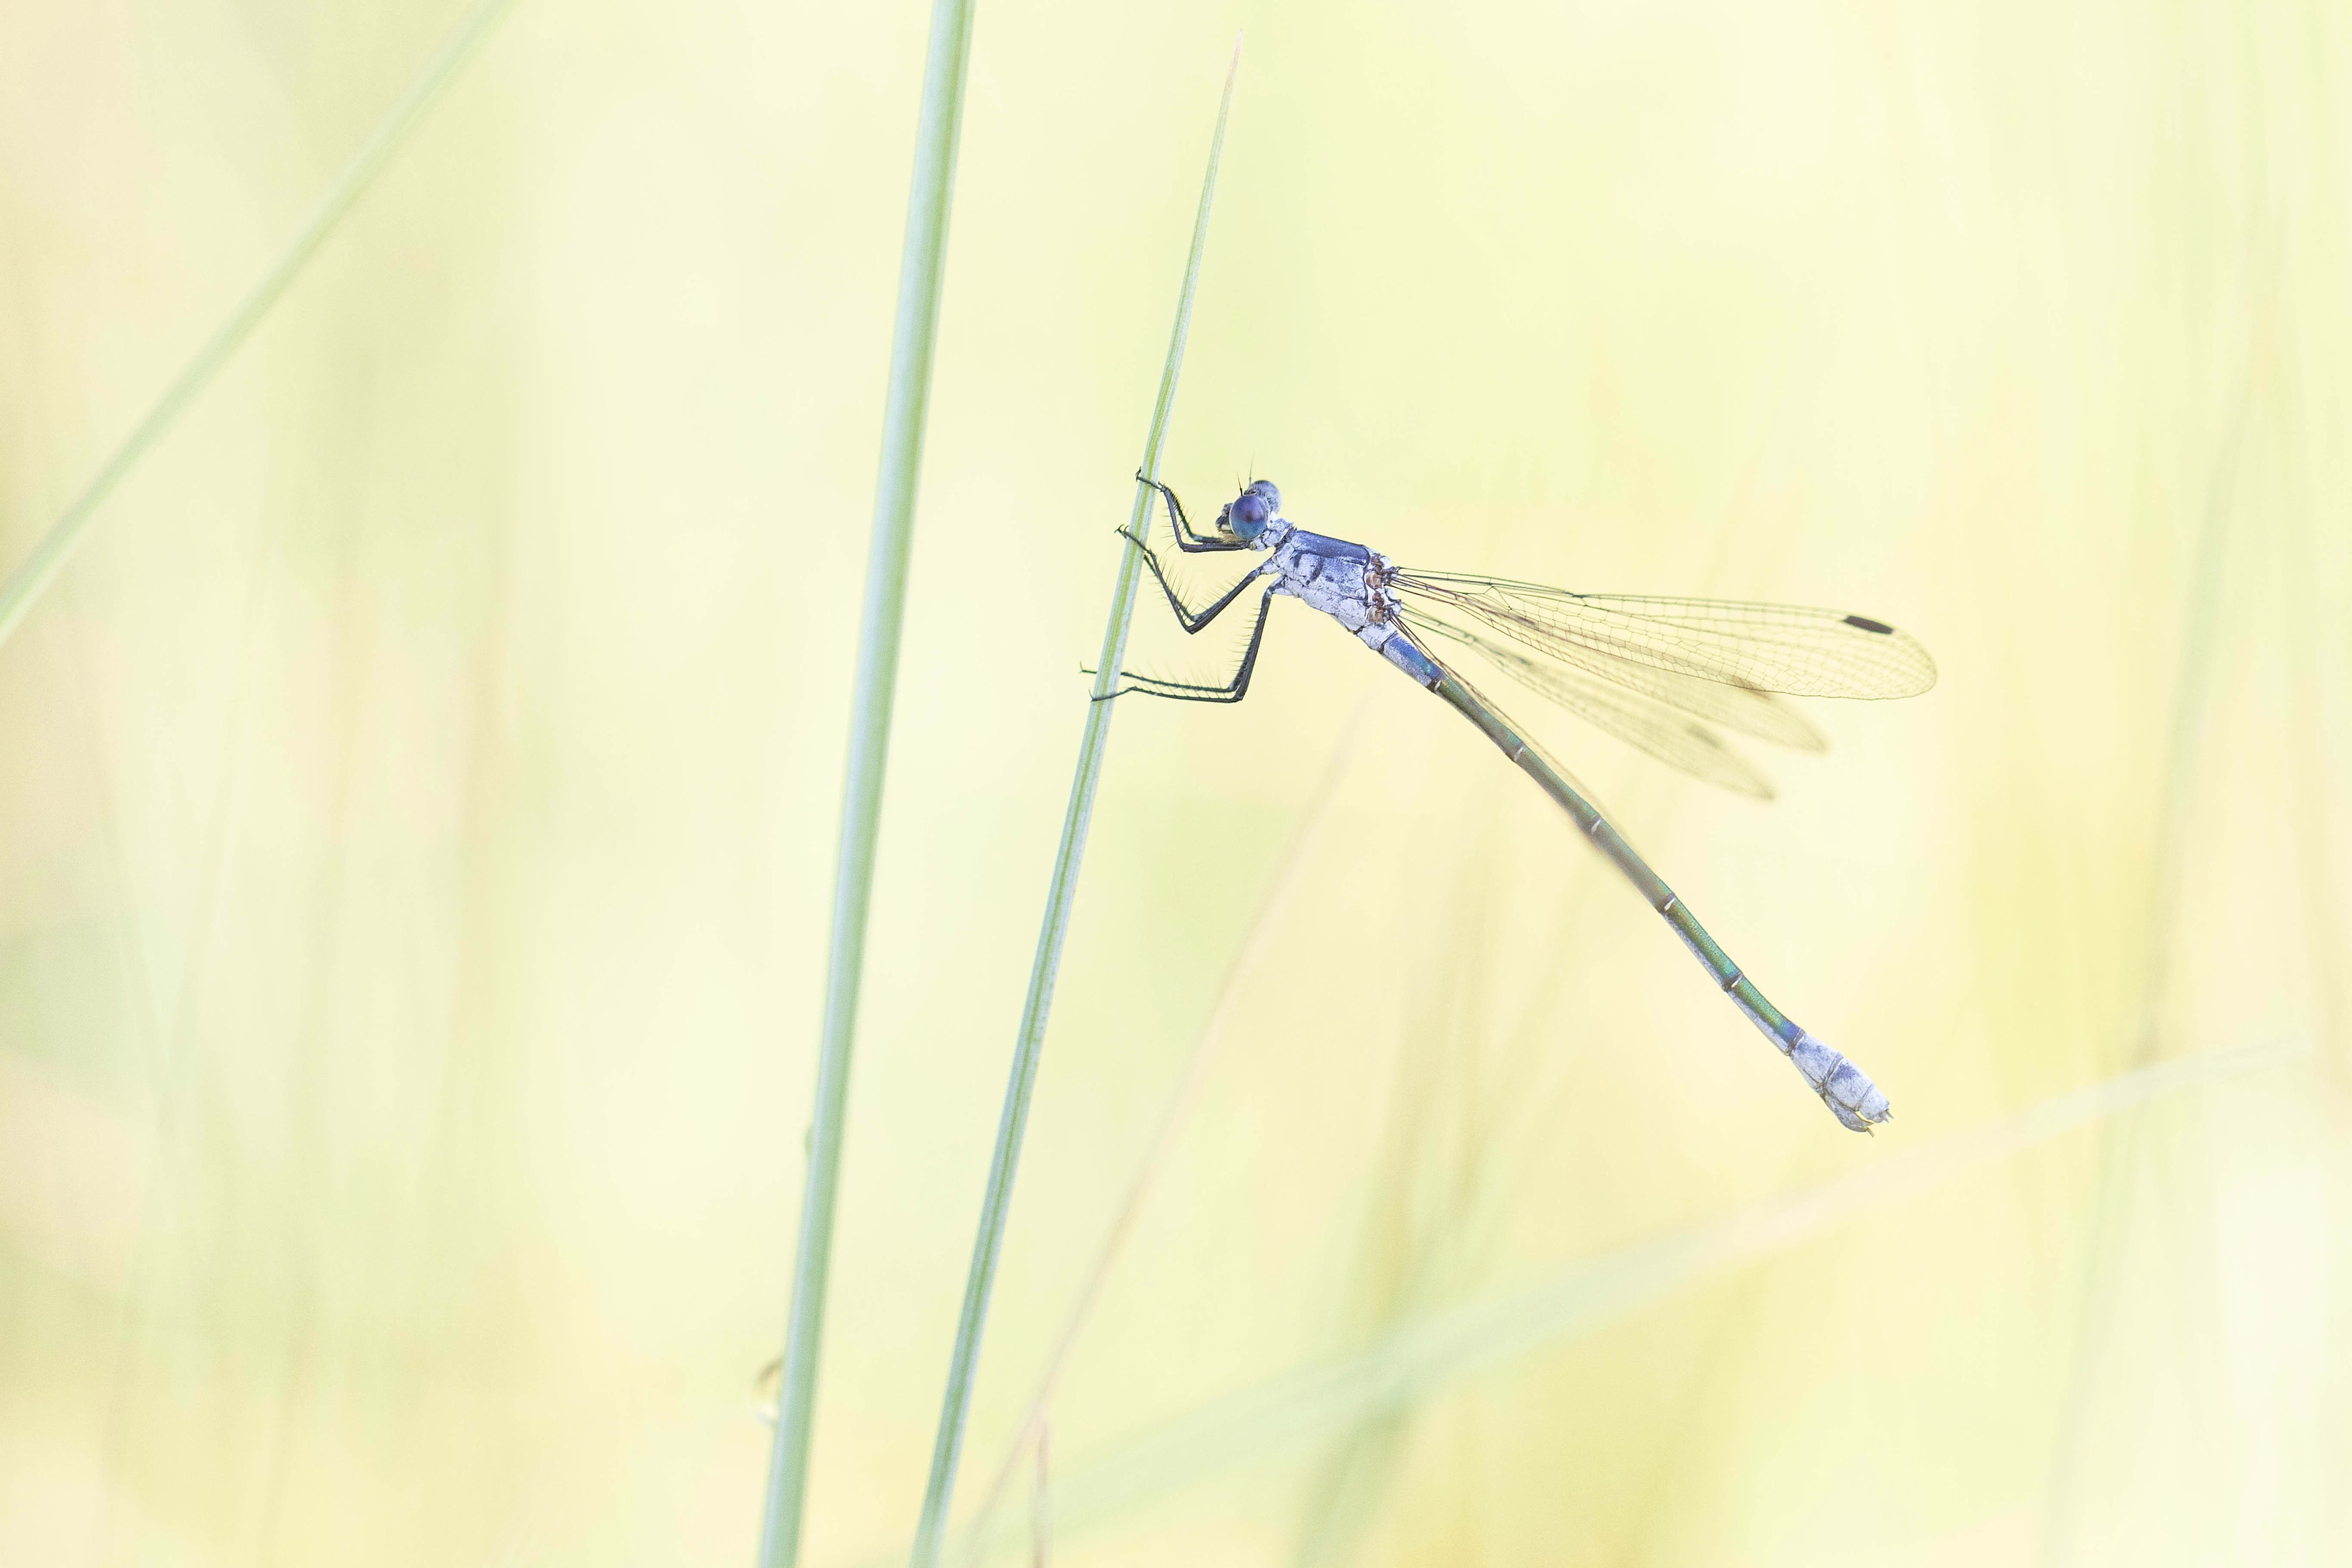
(1248, 954)
(33, 576)
(921, 269)
(1062, 893)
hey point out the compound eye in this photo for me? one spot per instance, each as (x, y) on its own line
(1263, 489)
(1246, 518)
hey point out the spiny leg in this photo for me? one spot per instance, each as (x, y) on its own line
(1187, 540)
(1190, 619)
(1232, 691)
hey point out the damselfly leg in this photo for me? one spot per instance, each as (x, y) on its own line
(1190, 619)
(1236, 687)
(1187, 540)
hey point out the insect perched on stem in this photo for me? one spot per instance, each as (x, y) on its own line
(1647, 670)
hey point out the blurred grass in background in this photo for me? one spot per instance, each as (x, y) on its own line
(419, 808)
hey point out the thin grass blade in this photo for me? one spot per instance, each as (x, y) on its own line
(922, 266)
(1248, 954)
(33, 576)
(1061, 893)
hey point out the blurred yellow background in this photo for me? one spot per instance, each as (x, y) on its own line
(418, 822)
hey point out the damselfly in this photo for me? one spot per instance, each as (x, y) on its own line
(1653, 672)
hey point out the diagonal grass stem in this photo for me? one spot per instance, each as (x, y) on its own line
(923, 266)
(33, 576)
(1062, 891)
(1247, 955)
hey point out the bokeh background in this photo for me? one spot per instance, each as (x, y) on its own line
(416, 820)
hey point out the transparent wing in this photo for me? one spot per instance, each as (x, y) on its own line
(1760, 647)
(1735, 707)
(1742, 708)
(1673, 739)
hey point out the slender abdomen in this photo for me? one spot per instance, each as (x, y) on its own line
(1844, 1088)
(1391, 643)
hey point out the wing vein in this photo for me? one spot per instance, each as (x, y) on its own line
(1762, 648)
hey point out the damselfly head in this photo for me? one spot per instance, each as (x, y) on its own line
(1248, 513)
